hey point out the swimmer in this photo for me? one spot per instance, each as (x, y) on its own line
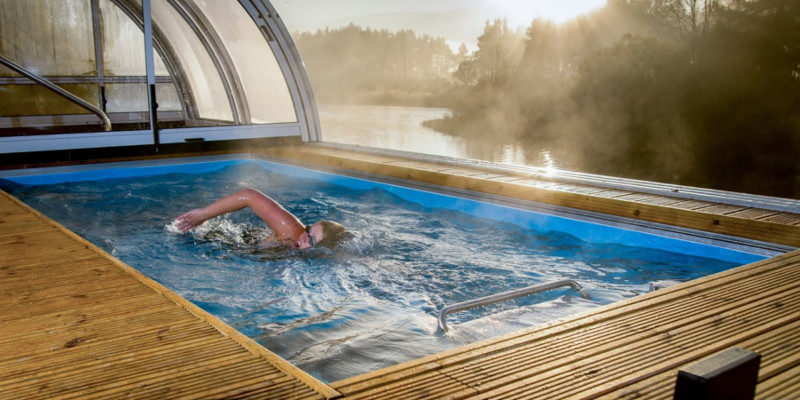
(287, 230)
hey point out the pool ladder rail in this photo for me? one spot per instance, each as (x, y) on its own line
(511, 294)
(59, 91)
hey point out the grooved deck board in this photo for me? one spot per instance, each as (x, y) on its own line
(77, 323)
(753, 213)
(692, 205)
(784, 218)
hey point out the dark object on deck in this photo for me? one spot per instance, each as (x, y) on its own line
(729, 375)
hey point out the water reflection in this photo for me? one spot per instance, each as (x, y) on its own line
(400, 128)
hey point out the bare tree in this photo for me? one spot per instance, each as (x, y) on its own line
(691, 18)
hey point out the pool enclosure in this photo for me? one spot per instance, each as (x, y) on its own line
(163, 71)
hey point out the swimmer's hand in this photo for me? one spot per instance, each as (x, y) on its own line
(190, 220)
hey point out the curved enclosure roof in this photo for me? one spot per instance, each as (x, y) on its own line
(220, 70)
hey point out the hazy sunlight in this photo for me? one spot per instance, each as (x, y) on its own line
(520, 13)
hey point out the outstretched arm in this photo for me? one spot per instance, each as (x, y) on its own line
(283, 223)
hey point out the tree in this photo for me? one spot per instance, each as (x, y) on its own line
(498, 53)
(354, 64)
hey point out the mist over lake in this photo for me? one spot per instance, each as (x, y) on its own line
(401, 128)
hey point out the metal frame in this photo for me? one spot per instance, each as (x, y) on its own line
(167, 54)
(85, 119)
(85, 79)
(276, 36)
(150, 70)
(509, 295)
(98, 52)
(219, 56)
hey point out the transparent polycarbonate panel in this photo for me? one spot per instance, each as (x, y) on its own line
(168, 99)
(132, 97)
(127, 97)
(264, 85)
(123, 44)
(29, 100)
(48, 37)
(205, 85)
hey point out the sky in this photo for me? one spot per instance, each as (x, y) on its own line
(455, 20)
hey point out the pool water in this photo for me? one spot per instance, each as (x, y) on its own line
(369, 302)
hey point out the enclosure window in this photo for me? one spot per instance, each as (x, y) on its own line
(260, 75)
(49, 37)
(205, 85)
(213, 67)
(30, 100)
(123, 43)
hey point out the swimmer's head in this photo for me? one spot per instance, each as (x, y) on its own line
(321, 233)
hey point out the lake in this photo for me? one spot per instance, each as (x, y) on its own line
(400, 128)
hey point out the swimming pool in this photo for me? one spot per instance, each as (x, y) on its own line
(372, 301)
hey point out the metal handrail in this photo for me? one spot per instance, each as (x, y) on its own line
(511, 294)
(63, 93)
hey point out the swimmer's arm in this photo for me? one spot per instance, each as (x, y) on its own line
(281, 221)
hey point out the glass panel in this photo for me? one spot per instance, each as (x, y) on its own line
(132, 97)
(123, 44)
(206, 89)
(264, 85)
(168, 99)
(48, 37)
(26, 100)
(123, 55)
(56, 39)
(129, 97)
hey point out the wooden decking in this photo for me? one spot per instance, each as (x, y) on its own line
(77, 323)
(746, 222)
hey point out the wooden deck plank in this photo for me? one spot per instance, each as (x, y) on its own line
(692, 205)
(613, 193)
(33, 276)
(637, 197)
(649, 353)
(432, 386)
(753, 213)
(77, 323)
(779, 356)
(721, 209)
(784, 218)
(783, 386)
(87, 333)
(655, 200)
